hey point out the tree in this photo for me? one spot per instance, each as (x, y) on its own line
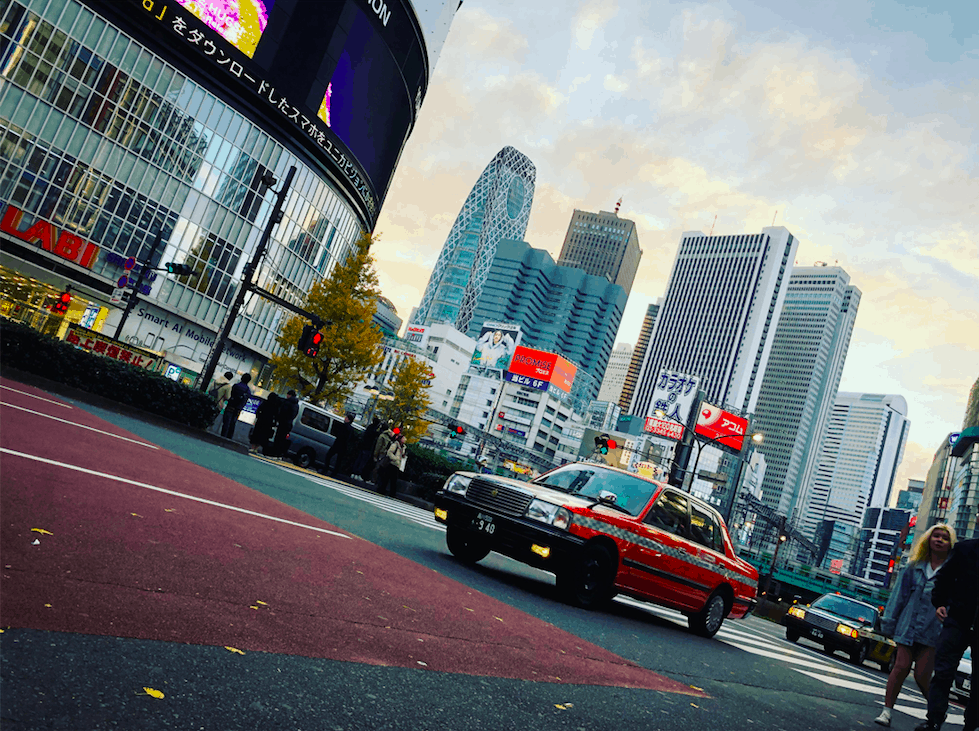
(410, 384)
(346, 303)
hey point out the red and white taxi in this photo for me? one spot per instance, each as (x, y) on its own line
(602, 531)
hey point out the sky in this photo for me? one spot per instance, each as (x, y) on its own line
(852, 124)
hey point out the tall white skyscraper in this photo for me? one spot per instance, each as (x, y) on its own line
(862, 449)
(615, 373)
(802, 378)
(719, 315)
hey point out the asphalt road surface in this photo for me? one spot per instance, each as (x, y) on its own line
(142, 561)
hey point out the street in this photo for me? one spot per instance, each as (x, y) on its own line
(252, 594)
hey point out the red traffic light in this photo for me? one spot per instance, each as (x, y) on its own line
(612, 444)
(309, 341)
(60, 307)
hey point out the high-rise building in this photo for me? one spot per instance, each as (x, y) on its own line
(719, 315)
(615, 373)
(604, 245)
(497, 207)
(802, 378)
(859, 456)
(119, 124)
(879, 546)
(560, 309)
(638, 355)
(910, 499)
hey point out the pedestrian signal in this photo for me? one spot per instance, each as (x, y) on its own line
(603, 444)
(457, 432)
(309, 341)
(181, 270)
(60, 307)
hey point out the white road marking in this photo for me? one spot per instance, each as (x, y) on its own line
(419, 515)
(174, 493)
(39, 398)
(80, 426)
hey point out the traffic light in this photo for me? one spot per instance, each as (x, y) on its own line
(181, 270)
(457, 432)
(309, 341)
(60, 307)
(603, 444)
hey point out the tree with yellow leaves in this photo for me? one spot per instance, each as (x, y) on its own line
(410, 383)
(346, 302)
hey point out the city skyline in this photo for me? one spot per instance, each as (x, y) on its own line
(854, 134)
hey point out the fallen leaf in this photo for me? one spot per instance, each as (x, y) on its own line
(696, 688)
(153, 692)
(36, 542)
(169, 510)
(422, 663)
(233, 649)
(253, 607)
(259, 601)
(695, 705)
(558, 705)
(136, 515)
(42, 531)
(497, 619)
(47, 605)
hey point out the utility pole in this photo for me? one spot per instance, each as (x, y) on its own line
(144, 266)
(246, 283)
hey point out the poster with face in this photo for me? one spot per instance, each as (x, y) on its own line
(240, 22)
(496, 345)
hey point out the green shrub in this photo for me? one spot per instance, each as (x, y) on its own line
(429, 469)
(32, 352)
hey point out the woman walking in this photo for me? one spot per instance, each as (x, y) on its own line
(392, 465)
(910, 618)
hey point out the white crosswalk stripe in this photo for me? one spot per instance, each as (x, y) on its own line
(411, 512)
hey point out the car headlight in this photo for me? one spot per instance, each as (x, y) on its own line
(457, 484)
(797, 612)
(549, 513)
(845, 629)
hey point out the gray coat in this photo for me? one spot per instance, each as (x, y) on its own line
(909, 617)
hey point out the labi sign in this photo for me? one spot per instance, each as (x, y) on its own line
(64, 243)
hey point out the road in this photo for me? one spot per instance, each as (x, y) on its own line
(254, 595)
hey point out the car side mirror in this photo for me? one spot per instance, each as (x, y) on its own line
(606, 496)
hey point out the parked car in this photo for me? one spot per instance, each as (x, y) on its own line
(313, 432)
(962, 685)
(602, 531)
(838, 622)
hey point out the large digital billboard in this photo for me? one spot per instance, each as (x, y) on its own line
(343, 79)
(539, 369)
(496, 345)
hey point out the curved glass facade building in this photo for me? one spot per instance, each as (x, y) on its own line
(121, 119)
(497, 208)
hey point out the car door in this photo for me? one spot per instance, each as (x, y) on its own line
(708, 551)
(662, 555)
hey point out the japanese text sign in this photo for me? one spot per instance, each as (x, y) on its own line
(82, 337)
(663, 428)
(716, 424)
(674, 395)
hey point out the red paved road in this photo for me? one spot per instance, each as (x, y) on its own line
(140, 543)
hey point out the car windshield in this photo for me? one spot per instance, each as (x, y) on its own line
(631, 493)
(846, 608)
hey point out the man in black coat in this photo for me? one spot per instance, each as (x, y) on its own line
(364, 463)
(342, 442)
(288, 411)
(956, 594)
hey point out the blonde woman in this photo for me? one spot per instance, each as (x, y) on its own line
(910, 618)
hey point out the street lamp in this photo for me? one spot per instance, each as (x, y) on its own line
(377, 394)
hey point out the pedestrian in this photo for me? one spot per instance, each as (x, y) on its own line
(380, 447)
(910, 618)
(342, 442)
(236, 402)
(392, 465)
(263, 432)
(288, 411)
(365, 455)
(956, 596)
(221, 393)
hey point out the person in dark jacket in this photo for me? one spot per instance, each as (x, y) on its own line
(288, 411)
(381, 445)
(342, 442)
(236, 402)
(956, 596)
(264, 430)
(364, 463)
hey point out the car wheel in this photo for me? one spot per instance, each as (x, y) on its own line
(859, 655)
(305, 457)
(708, 620)
(792, 635)
(465, 546)
(588, 583)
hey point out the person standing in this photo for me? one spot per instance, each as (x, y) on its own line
(365, 454)
(910, 618)
(380, 447)
(264, 429)
(956, 596)
(236, 402)
(288, 411)
(342, 441)
(221, 393)
(392, 466)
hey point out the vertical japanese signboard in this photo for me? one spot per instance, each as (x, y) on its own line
(674, 395)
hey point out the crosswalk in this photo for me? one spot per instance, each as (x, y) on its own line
(807, 661)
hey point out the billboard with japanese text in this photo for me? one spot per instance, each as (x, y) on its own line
(674, 395)
(663, 428)
(496, 345)
(563, 374)
(713, 423)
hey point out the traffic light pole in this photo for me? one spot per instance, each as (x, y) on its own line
(246, 284)
(134, 295)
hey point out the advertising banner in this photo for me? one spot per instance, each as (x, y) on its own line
(663, 428)
(674, 395)
(415, 334)
(82, 337)
(714, 423)
(496, 345)
(533, 363)
(563, 374)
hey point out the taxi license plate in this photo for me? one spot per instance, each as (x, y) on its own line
(816, 633)
(484, 523)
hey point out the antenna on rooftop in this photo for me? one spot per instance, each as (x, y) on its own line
(618, 205)
(774, 217)
(712, 226)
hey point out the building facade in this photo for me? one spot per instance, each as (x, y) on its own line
(615, 373)
(118, 126)
(639, 355)
(879, 547)
(497, 208)
(863, 447)
(603, 245)
(802, 378)
(719, 316)
(559, 309)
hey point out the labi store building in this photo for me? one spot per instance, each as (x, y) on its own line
(121, 120)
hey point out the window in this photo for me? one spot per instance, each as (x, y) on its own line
(315, 420)
(669, 513)
(704, 529)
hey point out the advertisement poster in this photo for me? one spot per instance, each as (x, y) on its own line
(714, 423)
(496, 345)
(674, 395)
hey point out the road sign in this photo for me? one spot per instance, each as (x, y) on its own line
(119, 296)
(123, 281)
